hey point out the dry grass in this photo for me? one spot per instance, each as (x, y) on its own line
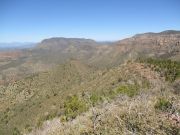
(122, 116)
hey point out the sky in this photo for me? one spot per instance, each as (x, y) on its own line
(101, 20)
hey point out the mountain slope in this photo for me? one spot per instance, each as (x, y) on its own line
(27, 103)
(60, 79)
(43, 94)
(122, 114)
(54, 51)
(162, 45)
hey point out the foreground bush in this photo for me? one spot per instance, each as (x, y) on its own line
(129, 90)
(163, 104)
(74, 106)
(94, 98)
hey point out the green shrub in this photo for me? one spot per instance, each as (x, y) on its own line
(28, 128)
(50, 116)
(111, 94)
(169, 69)
(16, 131)
(63, 118)
(40, 122)
(74, 106)
(129, 90)
(163, 104)
(95, 98)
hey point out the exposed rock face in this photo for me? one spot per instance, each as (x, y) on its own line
(164, 44)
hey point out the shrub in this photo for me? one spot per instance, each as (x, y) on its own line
(163, 104)
(63, 118)
(28, 128)
(55, 94)
(16, 131)
(129, 90)
(74, 106)
(111, 94)
(40, 122)
(50, 116)
(95, 98)
(169, 69)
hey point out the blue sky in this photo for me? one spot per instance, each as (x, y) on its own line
(34, 20)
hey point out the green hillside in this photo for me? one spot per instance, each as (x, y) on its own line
(69, 90)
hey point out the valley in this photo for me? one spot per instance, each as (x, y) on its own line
(65, 86)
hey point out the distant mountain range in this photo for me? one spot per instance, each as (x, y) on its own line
(27, 58)
(36, 57)
(17, 45)
(165, 44)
